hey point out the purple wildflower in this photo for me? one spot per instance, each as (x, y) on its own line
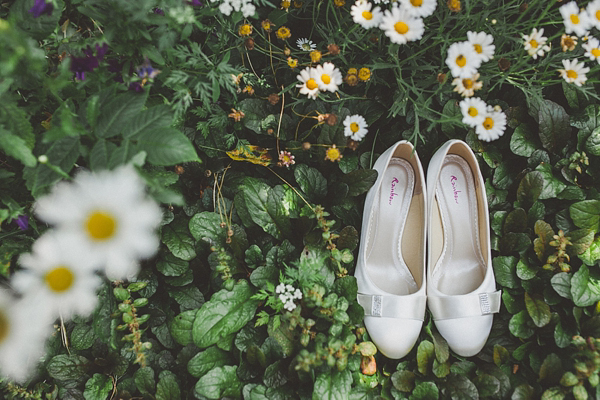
(147, 71)
(136, 87)
(159, 11)
(194, 3)
(81, 65)
(22, 222)
(41, 7)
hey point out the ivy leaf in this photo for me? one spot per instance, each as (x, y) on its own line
(82, 337)
(170, 265)
(425, 356)
(592, 254)
(118, 112)
(538, 310)
(167, 387)
(425, 391)
(461, 388)
(144, 380)
(206, 226)
(520, 325)
(332, 385)
(64, 367)
(311, 181)
(561, 283)
(552, 185)
(522, 141)
(505, 271)
(177, 237)
(530, 187)
(98, 387)
(206, 360)
(166, 146)
(581, 240)
(359, 181)
(554, 125)
(181, 327)
(220, 382)
(586, 214)
(225, 313)
(585, 289)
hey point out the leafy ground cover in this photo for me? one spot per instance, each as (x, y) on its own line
(261, 178)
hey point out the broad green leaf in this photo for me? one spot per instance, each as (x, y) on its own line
(283, 335)
(487, 385)
(461, 388)
(359, 181)
(16, 147)
(521, 325)
(592, 144)
(263, 274)
(522, 141)
(538, 310)
(275, 375)
(332, 385)
(552, 185)
(586, 214)
(530, 187)
(348, 238)
(505, 271)
(513, 304)
(425, 391)
(38, 28)
(554, 125)
(255, 112)
(220, 382)
(144, 380)
(554, 393)
(425, 356)
(177, 237)
(501, 355)
(502, 178)
(561, 337)
(170, 265)
(525, 271)
(516, 221)
(225, 313)
(551, 369)
(253, 256)
(167, 387)
(403, 381)
(311, 181)
(581, 240)
(82, 337)
(100, 154)
(335, 134)
(188, 297)
(115, 114)
(98, 387)
(561, 283)
(166, 146)
(181, 327)
(254, 391)
(585, 290)
(206, 226)
(586, 122)
(206, 360)
(154, 117)
(442, 351)
(523, 392)
(592, 254)
(64, 367)
(541, 244)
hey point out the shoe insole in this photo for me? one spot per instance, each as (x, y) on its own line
(385, 265)
(460, 268)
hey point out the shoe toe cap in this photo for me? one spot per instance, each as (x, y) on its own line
(394, 337)
(466, 336)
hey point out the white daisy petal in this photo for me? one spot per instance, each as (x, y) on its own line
(473, 110)
(482, 44)
(365, 16)
(355, 127)
(574, 72)
(575, 21)
(328, 77)
(592, 49)
(462, 60)
(535, 43)
(401, 26)
(492, 126)
(305, 45)
(308, 83)
(420, 8)
(593, 11)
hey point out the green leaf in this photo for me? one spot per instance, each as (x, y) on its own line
(206, 226)
(167, 387)
(523, 392)
(502, 178)
(551, 369)
(522, 141)
(403, 381)
(82, 337)
(461, 388)
(264, 274)
(586, 214)
(592, 144)
(100, 154)
(520, 325)
(166, 146)
(181, 327)
(37, 28)
(255, 111)
(525, 271)
(586, 122)
(16, 147)
(538, 310)
(530, 187)
(220, 382)
(487, 385)
(581, 240)
(144, 380)
(359, 181)
(425, 391)
(425, 356)
(177, 237)
(592, 254)
(275, 375)
(283, 335)
(154, 117)
(561, 283)
(254, 391)
(311, 181)
(505, 271)
(98, 387)
(552, 185)
(206, 360)
(188, 297)
(541, 244)
(64, 367)
(225, 313)
(553, 394)
(170, 265)
(118, 112)
(332, 385)
(554, 125)
(585, 289)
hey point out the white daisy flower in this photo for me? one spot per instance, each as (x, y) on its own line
(328, 77)
(113, 220)
(305, 44)
(593, 11)
(462, 60)
(355, 127)
(23, 333)
(59, 276)
(482, 44)
(592, 49)
(575, 21)
(400, 26)
(535, 43)
(365, 16)
(492, 126)
(466, 87)
(574, 72)
(381, 1)
(420, 8)
(473, 110)
(308, 83)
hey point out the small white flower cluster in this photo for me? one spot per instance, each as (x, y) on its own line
(228, 6)
(355, 127)
(322, 78)
(101, 222)
(183, 15)
(489, 122)
(287, 295)
(402, 23)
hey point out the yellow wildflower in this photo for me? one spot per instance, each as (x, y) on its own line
(315, 56)
(245, 30)
(333, 154)
(292, 62)
(364, 74)
(283, 33)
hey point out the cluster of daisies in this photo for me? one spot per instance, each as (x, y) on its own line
(402, 23)
(579, 22)
(287, 295)
(101, 222)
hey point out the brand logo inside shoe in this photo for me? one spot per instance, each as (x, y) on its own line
(454, 190)
(392, 190)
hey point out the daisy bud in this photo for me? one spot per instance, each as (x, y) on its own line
(333, 49)
(273, 98)
(504, 64)
(306, 146)
(249, 43)
(43, 159)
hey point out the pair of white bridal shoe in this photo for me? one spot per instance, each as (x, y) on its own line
(441, 227)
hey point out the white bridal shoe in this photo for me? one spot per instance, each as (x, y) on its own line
(390, 269)
(461, 289)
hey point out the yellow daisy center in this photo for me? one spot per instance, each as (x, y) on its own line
(311, 84)
(472, 111)
(286, 159)
(478, 48)
(575, 18)
(533, 43)
(416, 3)
(354, 127)
(326, 79)
(60, 279)
(461, 61)
(571, 74)
(367, 15)
(401, 27)
(101, 225)
(333, 153)
(598, 15)
(595, 52)
(488, 123)
(4, 326)
(467, 83)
